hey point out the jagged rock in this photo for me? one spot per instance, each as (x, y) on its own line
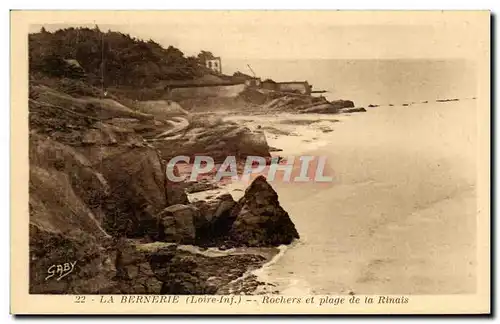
(308, 104)
(94, 179)
(186, 273)
(161, 109)
(91, 265)
(65, 191)
(217, 141)
(274, 149)
(85, 107)
(259, 220)
(198, 186)
(446, 100)
(216, 222)
(90, 177)
(98, 266)
(66, 198)
(342, 103)
(106, 134)
(176, 223)
(73, 69)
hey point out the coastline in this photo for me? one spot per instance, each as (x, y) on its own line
(434, 210)
(299, 146)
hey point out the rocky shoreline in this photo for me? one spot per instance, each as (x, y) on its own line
(99, 198)
(101, 201)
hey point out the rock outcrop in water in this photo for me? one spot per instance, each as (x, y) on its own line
(306, 104)
(99, 197)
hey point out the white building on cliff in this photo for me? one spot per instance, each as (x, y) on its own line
(214, 64)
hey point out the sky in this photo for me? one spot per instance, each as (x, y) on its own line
(293, 35)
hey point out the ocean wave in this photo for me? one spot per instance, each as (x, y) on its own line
(290, 286)
(267, 283)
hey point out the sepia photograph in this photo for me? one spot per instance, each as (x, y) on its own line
(281, 159)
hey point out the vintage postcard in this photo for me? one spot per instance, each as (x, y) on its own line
(250, 162)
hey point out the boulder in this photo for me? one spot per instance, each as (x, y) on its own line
(259, 220)
(274, 149)
(176, 194)
(98, 266)
(176, 223)
(97, 188)
(213, 228)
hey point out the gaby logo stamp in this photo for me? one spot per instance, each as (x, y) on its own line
(59, 271)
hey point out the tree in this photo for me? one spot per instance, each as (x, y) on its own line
(113, 58)
(203, 56)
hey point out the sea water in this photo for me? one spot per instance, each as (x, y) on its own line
(400, 214)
